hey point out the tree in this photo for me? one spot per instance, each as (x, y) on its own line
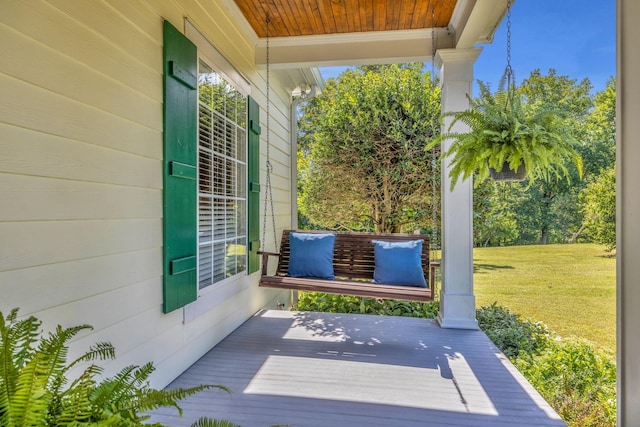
(598, 199)
(546, 195)
(495, 222)
(562, 91)
(363, 140)
(599, 132)
(599, 207)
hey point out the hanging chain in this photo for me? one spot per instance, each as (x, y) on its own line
(509, 71)
(268, 196)
(509, 34)
(433, 46)
(434, 157)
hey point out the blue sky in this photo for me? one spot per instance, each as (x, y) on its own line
(576, 37)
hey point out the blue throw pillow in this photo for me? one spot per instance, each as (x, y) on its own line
(311, 255)
(399, 263)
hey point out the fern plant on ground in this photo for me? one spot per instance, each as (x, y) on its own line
(35, 389)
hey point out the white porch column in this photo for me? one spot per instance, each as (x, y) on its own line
(457, 300)
(628, 212)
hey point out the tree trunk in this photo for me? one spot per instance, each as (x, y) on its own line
(385, 209)
(547, 201)
(575, 235)
(544, 236)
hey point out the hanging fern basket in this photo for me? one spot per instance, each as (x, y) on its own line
(507, 174)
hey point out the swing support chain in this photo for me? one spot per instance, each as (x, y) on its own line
(434, 157)
(268, 197)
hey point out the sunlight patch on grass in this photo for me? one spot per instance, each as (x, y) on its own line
(571, 288)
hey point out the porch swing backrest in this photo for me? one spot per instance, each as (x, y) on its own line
(354, 265)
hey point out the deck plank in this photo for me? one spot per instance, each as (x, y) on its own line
(316, 369)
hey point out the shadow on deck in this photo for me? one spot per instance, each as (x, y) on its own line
(304, 369)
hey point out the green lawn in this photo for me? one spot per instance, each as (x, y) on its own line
(571, 288)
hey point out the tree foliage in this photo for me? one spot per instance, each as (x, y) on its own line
(495, 222)
(599, 207)
(598, 132)
(550, 202)
(360, 139)
(362, 162)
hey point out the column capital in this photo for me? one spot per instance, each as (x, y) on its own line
(444, 56)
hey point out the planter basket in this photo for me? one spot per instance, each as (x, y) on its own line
(506, 174)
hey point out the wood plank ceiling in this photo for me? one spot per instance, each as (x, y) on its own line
(317, 17)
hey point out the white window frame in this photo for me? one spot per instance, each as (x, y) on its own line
(211, 296)
(222, 160)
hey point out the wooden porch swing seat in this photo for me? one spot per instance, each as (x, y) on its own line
(354, 264)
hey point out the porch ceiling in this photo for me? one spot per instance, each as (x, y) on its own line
(314, 33)
(314, 17)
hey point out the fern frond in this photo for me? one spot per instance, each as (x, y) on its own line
(98, 351)
(75, 403)
(209, 422)
(111, 390)
(17, 345)
(153, 399)
(28, 405)
(21, 386)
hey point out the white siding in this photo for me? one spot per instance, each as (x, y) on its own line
(81, 174)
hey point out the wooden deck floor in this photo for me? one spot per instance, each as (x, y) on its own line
(319, 369)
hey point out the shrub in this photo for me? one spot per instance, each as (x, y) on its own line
(332, 303)
(577, 380)
(512, 335)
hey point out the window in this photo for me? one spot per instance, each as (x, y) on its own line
(211, 146)
(222, 172)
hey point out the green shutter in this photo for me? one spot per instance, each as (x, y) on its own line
(253, 199)
(180, 160)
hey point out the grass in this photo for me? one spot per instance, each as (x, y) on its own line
(571, 288)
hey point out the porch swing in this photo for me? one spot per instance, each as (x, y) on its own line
(378, 265)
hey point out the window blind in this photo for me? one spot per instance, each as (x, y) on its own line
(222, 115)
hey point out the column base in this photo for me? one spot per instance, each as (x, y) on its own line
(449, 323)
(457, 311)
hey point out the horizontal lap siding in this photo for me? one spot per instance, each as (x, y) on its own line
(81, 173)
(36, 243)
(67, 199)
(62, 282)
(44, 24)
